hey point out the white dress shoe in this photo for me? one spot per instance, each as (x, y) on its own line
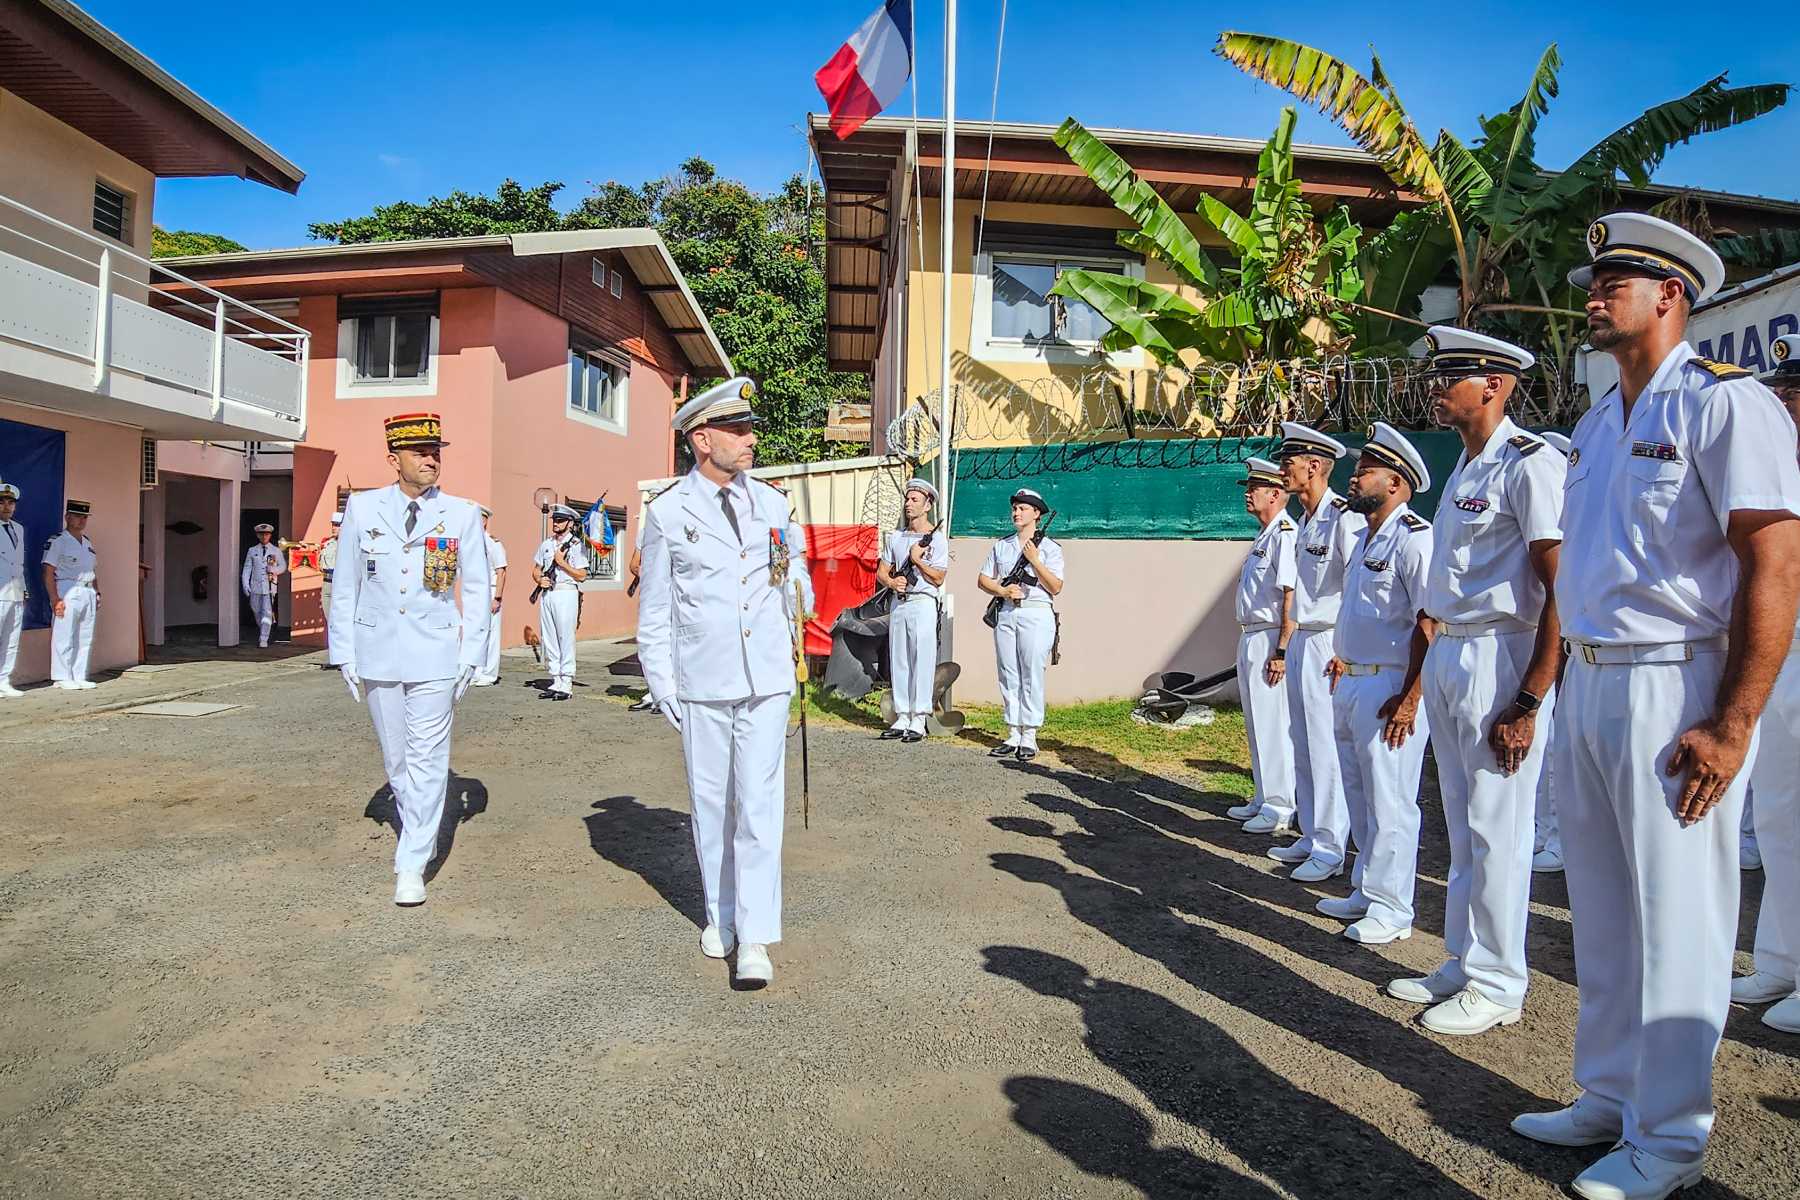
(1293, 852)
(85, 684)
(9, 691)
(1344, 908)
(1629, 1173)
(409, 888)
(1547, 861)
(1749, 857)
(1312, 871)
(753, 966)
(1243, 812)
(716, 943)
(1759, 988)
(1267, 822)
(1468, 1012)
(1784, 1016)
(1371, 931)
(68, 685)
(1434, 988)
(1580, 1124)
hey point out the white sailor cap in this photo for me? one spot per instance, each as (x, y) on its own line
(1647, 245)
(1028, 496)
(1785, 350)
(562, 512)
(8, 491)
(725, 403)
(337, 518)
(265, 528)
(916, 484)
(1260, 472)
(1559, 440)
(1304, 439)
(1389, 447)
(1454, 351)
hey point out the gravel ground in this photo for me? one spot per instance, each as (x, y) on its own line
(997, 981)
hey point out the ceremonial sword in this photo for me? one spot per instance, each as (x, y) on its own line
(800, 674)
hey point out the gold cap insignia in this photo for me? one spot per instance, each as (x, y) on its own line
(1596, 235)
(1779, 350)
(747, 391)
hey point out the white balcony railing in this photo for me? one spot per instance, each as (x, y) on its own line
(92, 300)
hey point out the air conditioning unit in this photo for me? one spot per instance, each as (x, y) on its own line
(147, 479)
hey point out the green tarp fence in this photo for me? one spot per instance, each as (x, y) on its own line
(1173, 490)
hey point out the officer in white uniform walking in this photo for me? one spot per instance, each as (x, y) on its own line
(409, 616)
(328, 556)
(490, 653)
(1546, 845)
(1677, 589)
(1776, 778)
(12, 588)
(70, 574)
(1265, 617)
(1323, 550)
(1488, 675)
(1025, 570)
(1375, 679)
(723, 561)
(264, 564)
(559, 567)
(913, 566)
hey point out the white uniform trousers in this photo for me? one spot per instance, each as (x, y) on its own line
(1022, 642)
(12, 621)
(737, 780)
(558, 610)
(72, 634)
(412, 723)
(1318, 779)
(490, 650)
(912, 658)
(1548, 836)
(263, 605)
(1490, 816)
(1776, 778)
(1654, 905)
(1266, 723)
(1381, 791)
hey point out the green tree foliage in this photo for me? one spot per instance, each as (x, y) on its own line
(173, 243)
(754, 263)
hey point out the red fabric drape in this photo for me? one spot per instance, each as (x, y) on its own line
(841, 559)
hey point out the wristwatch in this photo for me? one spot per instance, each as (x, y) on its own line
(1526, 702)
(1279, 653)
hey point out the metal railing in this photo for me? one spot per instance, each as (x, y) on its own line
(89, 298)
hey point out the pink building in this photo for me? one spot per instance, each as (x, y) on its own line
(555, 359)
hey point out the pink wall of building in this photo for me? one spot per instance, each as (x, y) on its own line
(101, 467)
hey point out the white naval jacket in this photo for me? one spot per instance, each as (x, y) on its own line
(712, 625)
(383, 618)
(74, 559)
(13, 584)
(255, 576)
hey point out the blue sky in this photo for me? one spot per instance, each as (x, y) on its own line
(376, 106)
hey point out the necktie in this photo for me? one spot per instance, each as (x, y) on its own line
(412, 517)
(730, 514)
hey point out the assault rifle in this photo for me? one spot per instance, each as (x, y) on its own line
(1020, 574)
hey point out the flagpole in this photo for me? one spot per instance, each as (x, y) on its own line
(946, 241)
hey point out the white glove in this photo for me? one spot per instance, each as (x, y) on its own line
(464, 678)
(671, 710)
(351, 681)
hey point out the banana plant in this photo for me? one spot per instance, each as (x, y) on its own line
(1508, 230)
(1285, 295)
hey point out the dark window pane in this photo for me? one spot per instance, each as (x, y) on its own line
(577, 378)
(374, 342)
(412, 346)
(1021, 300)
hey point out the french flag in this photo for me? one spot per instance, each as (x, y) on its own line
(869, 71)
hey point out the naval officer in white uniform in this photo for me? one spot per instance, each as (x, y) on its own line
(264, 564)
(1776, 778)
(1677, 589)
(1489, 675)
(409, 617)
(1025, 570)
(1323, 550)
(12, 587)
(71, 575)
(489, 674)
(1379, 643)
(717, 640)
(913, 566)
(560, 566)
(1265, 617)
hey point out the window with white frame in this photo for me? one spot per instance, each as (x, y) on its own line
(1023, 310)
(387, 346)
(599, 389)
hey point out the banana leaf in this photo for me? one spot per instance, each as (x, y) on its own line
(1147, 314)
(1158, 225)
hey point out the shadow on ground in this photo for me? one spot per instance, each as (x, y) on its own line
(655, 844)
(465, 799)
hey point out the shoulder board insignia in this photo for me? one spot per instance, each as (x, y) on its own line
(1339, 503)
(1414, 522)
(1285, 525)
(1719, 370)
(661, 492)
(1525, 444)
